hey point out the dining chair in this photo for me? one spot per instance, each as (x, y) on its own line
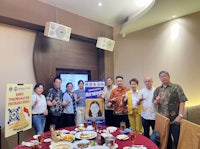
(162, 127)
(189, 135)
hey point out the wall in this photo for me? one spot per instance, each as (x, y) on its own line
(16, 65)
(173, 46)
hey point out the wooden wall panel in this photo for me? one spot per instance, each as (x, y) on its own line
(50, 54)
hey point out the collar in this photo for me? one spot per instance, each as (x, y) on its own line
(169, 85)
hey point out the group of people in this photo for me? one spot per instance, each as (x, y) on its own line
(137, 108)
(62, 109)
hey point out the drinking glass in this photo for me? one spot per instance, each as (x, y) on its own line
(110, 142)
(122, 125)
(85, 124)
(94, 124)
(52, 127)
(133, 137)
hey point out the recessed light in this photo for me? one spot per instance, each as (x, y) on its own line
(99, 4)
(174, 16)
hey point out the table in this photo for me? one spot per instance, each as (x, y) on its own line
(140, 140)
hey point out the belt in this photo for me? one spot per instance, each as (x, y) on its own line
(38, 114)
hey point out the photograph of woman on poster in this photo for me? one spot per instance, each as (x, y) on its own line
(95, 110)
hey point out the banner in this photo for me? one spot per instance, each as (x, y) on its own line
(94, 88)
(18, 108)
(94, 105)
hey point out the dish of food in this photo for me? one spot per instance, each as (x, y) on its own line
(66, 137)
(36, 137)
(122, 137)
(111, 129)
(61, 145)
(98, 147)
(86, 135)
(47, 140)
(112, 147)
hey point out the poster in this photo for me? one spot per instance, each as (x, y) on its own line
(94, 105)
(18, 108)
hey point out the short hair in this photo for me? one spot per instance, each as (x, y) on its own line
(117, 77)
(165, 72)
(109, 78)
(37, 85)
(80, 82)
(134, 80)
(57, 77)
(69, 84)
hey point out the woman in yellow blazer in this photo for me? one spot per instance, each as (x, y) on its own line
(134, 109)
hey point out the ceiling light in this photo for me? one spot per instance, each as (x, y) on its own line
(99, 4)
(174, 16)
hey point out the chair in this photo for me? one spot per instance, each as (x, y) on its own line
(162, 126)
(189, 135)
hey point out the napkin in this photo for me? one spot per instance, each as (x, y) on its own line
(127, 130)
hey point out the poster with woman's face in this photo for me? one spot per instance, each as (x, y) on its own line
(94, 109)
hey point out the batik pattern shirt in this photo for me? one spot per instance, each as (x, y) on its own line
(171, 97)
(54, 94)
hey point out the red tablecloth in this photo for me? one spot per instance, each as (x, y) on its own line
(140, 140)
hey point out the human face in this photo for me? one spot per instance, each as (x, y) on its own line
(109, 82)
(148, 82)
(81, 85)
(164, 78)
(119, 82)
(69, 87)
(57, 84)
(134, 85)
(94, 108)
(39, 90)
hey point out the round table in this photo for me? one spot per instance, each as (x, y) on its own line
(140, 140)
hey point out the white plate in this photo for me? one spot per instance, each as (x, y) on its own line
(29, 144)
(36, 137)
(86, 135)
(47, 140)
(98, 147)
(114, 147)
(75, 144)
(122, 137)
(62, 144)
(111, 129)
(64, 131)
(135, 147)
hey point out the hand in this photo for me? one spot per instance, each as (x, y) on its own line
(178, 119)
(46, 112)
(114, 99)
(54, 103)
(36, 101)
(158, 100)
(141, 99)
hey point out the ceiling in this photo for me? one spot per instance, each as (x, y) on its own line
(131, 15)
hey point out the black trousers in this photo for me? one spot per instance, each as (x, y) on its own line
(56, 120)
(146, 125)
(68, 120)
(110, 118)
(120, 118)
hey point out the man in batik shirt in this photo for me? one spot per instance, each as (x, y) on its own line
(170, 100)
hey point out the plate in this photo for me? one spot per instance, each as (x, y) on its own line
(122, 137)
(36, 137)
(47, 140)
(61, 145)
(29, 144)
(111, 129)
(64, 131)
(135, 147)
(82, 142)
(86, 135)
(114, 147)
(98, 147)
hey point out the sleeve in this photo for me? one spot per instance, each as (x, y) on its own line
(182, 97)
(33, 98)
(66, 97)
(155, 94)
(49, 96)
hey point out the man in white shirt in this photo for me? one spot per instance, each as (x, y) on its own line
(148, 108)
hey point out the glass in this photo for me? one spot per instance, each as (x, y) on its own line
(52, 127)
(94, 124)
(133, 137)
(110, 142)
(122, 126)
(85, 124)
